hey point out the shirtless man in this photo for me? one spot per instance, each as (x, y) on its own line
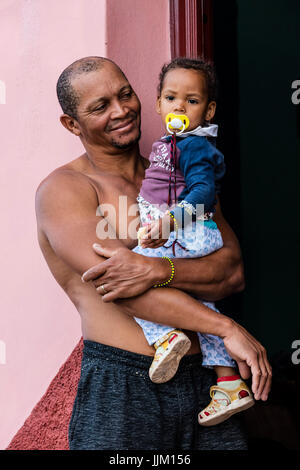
(117, 406)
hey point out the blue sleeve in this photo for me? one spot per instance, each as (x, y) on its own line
(198, 159)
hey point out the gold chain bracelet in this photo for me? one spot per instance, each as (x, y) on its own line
(163, 284)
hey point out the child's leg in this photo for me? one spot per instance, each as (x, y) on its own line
(170, 349)
(231, 395)
(223, 371)
(152, 331)
(170, 344)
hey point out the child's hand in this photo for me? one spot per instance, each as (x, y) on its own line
(156, 233)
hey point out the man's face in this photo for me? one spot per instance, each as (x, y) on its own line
(108, 113)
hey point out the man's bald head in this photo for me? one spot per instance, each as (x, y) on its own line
(66, 93)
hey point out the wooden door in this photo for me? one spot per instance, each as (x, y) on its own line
(191, 28)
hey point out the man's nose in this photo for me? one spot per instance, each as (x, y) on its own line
(119, 110)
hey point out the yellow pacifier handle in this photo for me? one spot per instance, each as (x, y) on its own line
(177, 123)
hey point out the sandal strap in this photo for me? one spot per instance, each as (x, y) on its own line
(230, 394)
(215, 388)
(164, 338)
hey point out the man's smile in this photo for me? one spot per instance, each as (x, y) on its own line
(125, 125)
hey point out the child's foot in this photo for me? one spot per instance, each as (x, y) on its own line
(230, 396)
(169, 351)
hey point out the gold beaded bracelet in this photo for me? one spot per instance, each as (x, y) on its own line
(175, 221)
(163, 284)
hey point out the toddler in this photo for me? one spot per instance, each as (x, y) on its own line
(184, 174)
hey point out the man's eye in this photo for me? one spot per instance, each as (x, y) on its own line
(101, 108)
(127, 95)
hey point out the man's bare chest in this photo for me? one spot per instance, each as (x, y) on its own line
(117, 206)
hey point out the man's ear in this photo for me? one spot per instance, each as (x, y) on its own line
(70, 124)
(157, 105)
(211, 109)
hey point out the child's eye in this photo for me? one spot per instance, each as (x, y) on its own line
(191, 101)
(170, 98)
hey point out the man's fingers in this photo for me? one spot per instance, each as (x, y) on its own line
(104, 251)
(256, 373)
(250, 355)
(244, 369)
(261, 369)
(263, 378)
(261, 383)
(267, 387)
(266, 377)
(106, 293)
(94, 272)
(103, 289)
(110, 297)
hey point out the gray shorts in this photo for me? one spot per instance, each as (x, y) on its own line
(117, 407)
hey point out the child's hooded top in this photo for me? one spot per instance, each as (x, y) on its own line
(199, 168)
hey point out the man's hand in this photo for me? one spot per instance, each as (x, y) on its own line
(124, 274)
(250, 356)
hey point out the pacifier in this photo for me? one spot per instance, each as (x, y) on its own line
(177, 123)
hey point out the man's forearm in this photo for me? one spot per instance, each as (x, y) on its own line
(211, 278)
(175, 308)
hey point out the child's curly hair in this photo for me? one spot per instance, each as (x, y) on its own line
(207, 68)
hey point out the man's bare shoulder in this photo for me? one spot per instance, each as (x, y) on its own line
(65, 174)
(64, 187)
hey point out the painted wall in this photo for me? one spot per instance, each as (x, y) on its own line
(39, 326)
(138, 39)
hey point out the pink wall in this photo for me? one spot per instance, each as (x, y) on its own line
(138, 39)
(39, 326)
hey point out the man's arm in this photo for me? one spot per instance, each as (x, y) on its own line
(66, 213)
(212, 277)
(215, 276)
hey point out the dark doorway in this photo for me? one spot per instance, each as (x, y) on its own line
(254, 46)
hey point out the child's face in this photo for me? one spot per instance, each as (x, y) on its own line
(185, 92)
